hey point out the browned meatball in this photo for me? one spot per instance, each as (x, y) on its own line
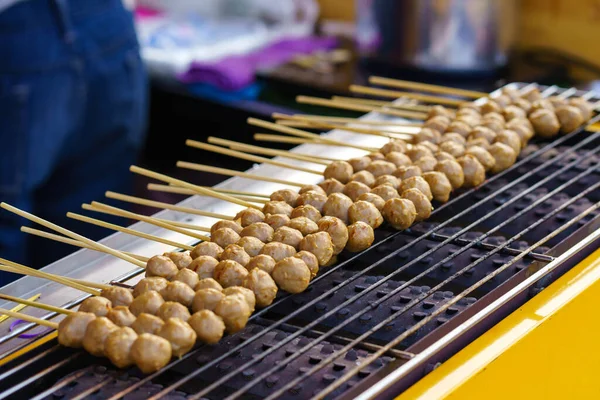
(421, 203)
(570, 118)
(146, 323)
(249, 216)
(453, 172)
(332, 185)
(363, 177)
(407, 172)
(275, 207)
(386, 192)
(360, 237)
(381, 167)
(317, 200)
(292, 275)
(97, 305)
(387, 180)
(394, 145)
(398, 159)
(262, 285)
(206, 299)
(471, 120)
(434, 148)
(374, 199)
(277, 220)
(230, 273)
(279, 251)
(359, 163)
(206, 249)
(337, 230)
(121, 316)
(483, 156)
(234, 225)
(320, 244)
(234, 311)
(118, 296)
(151, 353)
(208, 283)
(308, 211)
(400, 213)
(511, 92)
(155, 283)
(460, 127)
(531, 94)
(541, 104)
(340, 170)
(251, 245)
(426, 164)
(355, 189)
(504, 156)
(512, 112)
(171, 309)
(473, 171)
(427, 135)
(236, 253)
(483, 133)
(289, 236)
(263, 262)
(247, 294)
(288, 195)
(365, 212)
(376, 156)
(438, 123)
(545, 123)
(503, 101)
(493, 124)
(587, 110)
(71, 330)
(490, 106)
(310, 188)
(453, 148)
(161, 266)
(204, 266)
(181, 258)
(469, 105)
(511, 139)
(148, 303)
(95, 335)
(304, 225)
(523, 104)
(224, 237)
(117, 346)
(337, 205)
(310, 260)
(209, 327)
(188, 277)
(440, 110)
(418, 151)
(524, 133)
(484, 144)
(178, 292)
(442, 155)
(416, 182)
(439, 184)
(180, 334)
(453, 137)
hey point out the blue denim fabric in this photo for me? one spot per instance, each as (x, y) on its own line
(72, 112)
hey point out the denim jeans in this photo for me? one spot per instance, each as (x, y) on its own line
(73, 96)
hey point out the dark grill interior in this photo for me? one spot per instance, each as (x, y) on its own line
(371, 309)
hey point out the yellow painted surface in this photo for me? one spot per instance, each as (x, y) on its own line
(547, 349)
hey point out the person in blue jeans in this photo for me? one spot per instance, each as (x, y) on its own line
(73, 96)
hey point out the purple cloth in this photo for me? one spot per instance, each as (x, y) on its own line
(237, 72)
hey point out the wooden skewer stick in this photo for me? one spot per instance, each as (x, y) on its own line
(19, 307)
(179, 190)
(72, 235)
(412, 105)
(232, 172)
(374, 132)
(45, 275)
(129, 231)
(348, 120)
(72, 242)
(317, 101)
(230, 191)
(249, 157)
(395, 94)
(198, 189)
(161, 205)
(262, 150)
(267, 137)
(297, 132)
(29, 318)
(42, 306)
(425, 87)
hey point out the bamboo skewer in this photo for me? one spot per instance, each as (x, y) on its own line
(232, 172)
(72, 242)
(407, 105)
(249, 157)
(374, 132)
(29, 318)
(184, 191)
(425, 87)
(42, 306)
(267, 137)
(358, 121)
(71, 234)
(47, 275)
(129, 231)
(20, 307)
(230, 191)
(198, 189)
(395, 94)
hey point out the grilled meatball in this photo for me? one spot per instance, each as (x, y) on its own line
(453, 137)
(209, 327)
(237, 253)
(376, 156)
(416, 182)
(97, 305)
(460, 127)
(394, 145)
(289, 236)
(292, 275)
(151, 353)
(263, 262)
(118, 296)
(570, 118)
(359, 163)
(251, 245)
(504, 156)
(337, 230)
(230, 273)
(545, 123)
(206, 299)
(121, 316)
(372, 198)
(453, 148)
(511, 92)
(494, 116)
(400, 213)
(440, 110)
(148, 303)
(247, 294)
(421, 203)
(224, 237)
(473, 171)
(181, 258)
(310, 260)
(407, 172)
(155, 283)
(317, 200)
(398, 159)
(360, 237)
(511, 139)
(275, 207)
(418, 151)
(188, 277)
(523, 104)
(332, 185)
(279, 251)
(234, 311)
(234, 225)
(209, 249)
(381, 167)
(71, 330)
(427, 135)
(541, 104)
(308, 211)
(453, 172)
(117, 346)
(365, 212)
(521, 129)
(146, 323)
(426, 164)
(438, 123)
(531, 94)
(469, 105)
(387, 180)
(493, 124)
(95, 335)
(512, 112)
(204, 266)
(288, 195)
(171, 309)
(490, 106)
(483, 156)
(249, 216)
(320, 244)
(471, 120)
(262, 285)
(310, 188)
(434, 148)
(179, 292)
(503, 101)
(340, 170)
(442, 156)
(161, 266)
(355, 189)
(584, 106)
(337, 205)
(484, 144)
(304, 225)
(483, 133)
(363, 177)
(439, 184)
(386, 192)
(277, 220)
(209, 283)
(180, 335)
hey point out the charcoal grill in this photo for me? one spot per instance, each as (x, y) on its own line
(377, 321)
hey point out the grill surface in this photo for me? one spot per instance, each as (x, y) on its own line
(371, 312)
